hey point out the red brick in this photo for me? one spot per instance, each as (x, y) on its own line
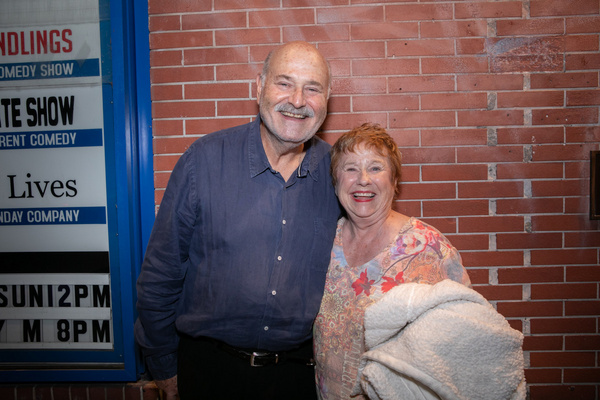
(478, 276)
(530, 309)
(471, 242)
(455, 207)
(444, 225)
(220, 55)
(582, 239)
(500, 292)
(529, 206)
(582, 308)
(167, 92)
(533, 135)
(565, 116)
(577, 169)
(418, 12)
(583, 274)
(561, 325)
(237, 107)
(164, 163)
(405, 137)
(411, 208)
(569, 80)
(548, 8)
(350, 50)
(490, 154)
(530, 275)
(490, 117)
(546, 26)
(167, 127)
(483, 82)
(491, 224)
(546, 375)
(171, 40)
(453, 101)
(233, 37)
(532, 343)
(586, 24)
(420, 191)
(583, 97)
(562, 392)
(492, 259)
(96, 393)
(216, 90)
(529, 171)
(520, 54)
(385, 102)
(581, 375)
(563, 223)
(204, 126)
(459, 29)
(385, 67)
(577, 43)
(564, 256)
(421, 84)
(582, 342)
(573, 152)
(213, 20)
(454, 137)
(164, 23)
(316, 33)
(447, 65)
(283, 17)
(488, 9)
(24, 393)
(390, 30)
(349, 14)
(351, 120)
(78, 392)
(530, 99)
(577, 205)
(563, 291)
(472, 190)
(422, 119)
(572, 187)
(183, 109)
(181, 74)
(362, 86)
(560, 359)
(454, 173)
(423, 47)
(428, 155)
(165, 58)
(247, 4)
(528, 240)
(470, 46)
(180, 6)
(172, 145)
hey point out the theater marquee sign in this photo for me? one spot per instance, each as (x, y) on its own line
(55, 286)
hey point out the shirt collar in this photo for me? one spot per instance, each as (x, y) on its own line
(259, 162)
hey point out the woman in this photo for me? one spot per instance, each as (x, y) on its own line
(375, 249)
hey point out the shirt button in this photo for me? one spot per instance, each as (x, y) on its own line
(278, 258)
(284, 222)
(266, 328)
(274, 292)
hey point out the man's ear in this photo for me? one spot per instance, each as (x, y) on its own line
(258, 88)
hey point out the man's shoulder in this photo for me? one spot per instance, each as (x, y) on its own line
(231, 134)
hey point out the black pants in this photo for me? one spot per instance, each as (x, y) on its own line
(207, 372)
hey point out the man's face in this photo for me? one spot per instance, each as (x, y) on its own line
(293, 97)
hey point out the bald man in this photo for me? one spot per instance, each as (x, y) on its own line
(235, 267)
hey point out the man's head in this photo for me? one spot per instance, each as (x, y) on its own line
(293, 90)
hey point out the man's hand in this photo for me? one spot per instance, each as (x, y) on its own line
(169, 388)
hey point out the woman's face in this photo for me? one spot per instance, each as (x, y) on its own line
(364, 184)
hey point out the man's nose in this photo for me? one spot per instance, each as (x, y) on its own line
(297, 98)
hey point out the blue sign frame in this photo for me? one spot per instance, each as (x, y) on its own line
(125, 68)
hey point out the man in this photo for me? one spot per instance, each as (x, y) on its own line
(235, 266)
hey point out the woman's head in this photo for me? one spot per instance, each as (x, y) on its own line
(371, 137)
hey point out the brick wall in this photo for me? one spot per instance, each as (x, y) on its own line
(495, 106)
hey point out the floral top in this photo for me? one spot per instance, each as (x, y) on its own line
(419, 253)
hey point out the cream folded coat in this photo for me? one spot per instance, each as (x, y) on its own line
(442, 341)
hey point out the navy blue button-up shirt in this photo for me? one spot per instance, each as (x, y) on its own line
(236, 253)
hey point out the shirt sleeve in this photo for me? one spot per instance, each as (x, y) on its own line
(160, 283)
